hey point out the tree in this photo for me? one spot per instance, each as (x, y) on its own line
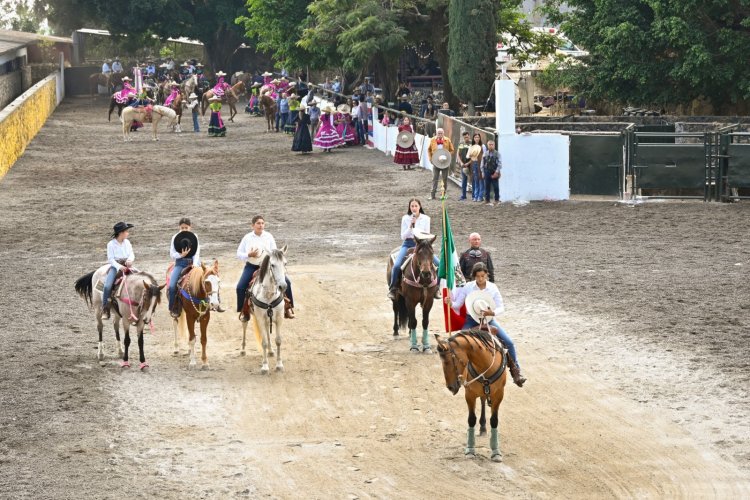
(660, 52)
(19, 15)
(472, 48)
(212, 23)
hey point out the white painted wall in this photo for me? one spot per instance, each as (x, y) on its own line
(535, 167)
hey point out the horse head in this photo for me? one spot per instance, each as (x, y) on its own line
(423, 256)
(454, 364)
(273, 267)
(150, 299)
(212, 284)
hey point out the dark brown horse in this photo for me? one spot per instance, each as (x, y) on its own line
(476, 361)
(198, 296)
(418, 285)
(268, 108)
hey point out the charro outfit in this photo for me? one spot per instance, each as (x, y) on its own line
(473, 255)
(180, 263)
(406, 156)
(439, 173)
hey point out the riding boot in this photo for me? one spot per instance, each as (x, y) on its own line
(245, 314)
(393, 291)
(288, 309)
(515, 372)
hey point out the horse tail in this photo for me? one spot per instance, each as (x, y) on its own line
(403, 313)
(85, 287)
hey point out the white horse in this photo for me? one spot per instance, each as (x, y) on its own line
(129, 115)
(136, 299)
(267, 296)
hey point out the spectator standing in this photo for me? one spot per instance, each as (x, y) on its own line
(476, 155)
(493, 165)
(437, 143)
(405, 105)
(463, 159)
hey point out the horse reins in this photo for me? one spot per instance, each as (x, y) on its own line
(486, 382)
(414, 274)
(268, 307)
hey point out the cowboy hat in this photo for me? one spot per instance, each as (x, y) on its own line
(199, 65)
(275, 80)
(404, 97)
(284, 78)
(421, 235)
(441, 159)
(125, 78)
(477, 302)
(293, 84)
(174, 84)
(164, 65)
(312, 103)
(328, 109)
(220, 73)
(120, 227)
(185, 240)
(256, 84)
(405, 139)
(344, 108)
(267, 74)
(214, 98)
(192, 96)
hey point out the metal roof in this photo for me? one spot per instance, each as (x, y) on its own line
(90, 31)
(26, 38)
(7, 46)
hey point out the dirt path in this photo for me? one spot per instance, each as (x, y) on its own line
(610, 409)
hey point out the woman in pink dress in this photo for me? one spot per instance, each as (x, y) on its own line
(327, 138)
(406, 156)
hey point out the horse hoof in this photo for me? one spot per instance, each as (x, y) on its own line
(482, 432)
(470, 453)
(175, 352)
(414, 349)
(395, 334)
(280, 368)
(205, 366)
(497, 457)
(427, 349)
(100, 356)
(125, 364)
(242, 353)
(264, 370)
(191, 365)
(143, 366)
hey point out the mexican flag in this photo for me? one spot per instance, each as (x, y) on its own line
(447, 271)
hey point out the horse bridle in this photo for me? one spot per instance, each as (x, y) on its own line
(414, 282)
(456, 361)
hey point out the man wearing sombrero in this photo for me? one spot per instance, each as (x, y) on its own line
(483, 303)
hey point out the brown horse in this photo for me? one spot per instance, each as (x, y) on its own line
(478, 356)
(102, 79)
(231, 97)
(418, 286)
(198, 295)
(177, 105)
(268, 108)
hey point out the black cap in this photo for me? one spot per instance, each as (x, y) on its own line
(120, 227)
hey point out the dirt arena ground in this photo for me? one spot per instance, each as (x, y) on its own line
(631, 324)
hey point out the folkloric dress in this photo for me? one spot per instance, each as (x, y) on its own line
(345, 129)
(302, 141)
(123, 96)
(406, 156)
(171, 97)
(221, 87)
(327, 137)
(216, 126)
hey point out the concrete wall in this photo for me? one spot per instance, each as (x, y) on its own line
(21, 120)
(11, 86)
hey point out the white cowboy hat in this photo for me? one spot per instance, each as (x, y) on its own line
(199, 65)
(312, 103)
(293, 84)
(125, 78)
(275, 80)
(478, 301)
(192, 96)
(329, 109)
(267, 74)
(344, 108)
(215, 98)
(220, 73)
(256, 84)
(184, 64)
(164, 65)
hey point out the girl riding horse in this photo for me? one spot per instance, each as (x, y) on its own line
(120, 257)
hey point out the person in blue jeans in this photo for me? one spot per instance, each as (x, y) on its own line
(493, 164)
(283, 105)
(415, 219)
(119, 256)
(479, 275)
(476, 155)
(194, 109)
(464, 163)
(182, 259)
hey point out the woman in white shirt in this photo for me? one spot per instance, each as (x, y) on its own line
(181, 261)
(252, 247)
(479, 275)
(415, 218)
(119, 255)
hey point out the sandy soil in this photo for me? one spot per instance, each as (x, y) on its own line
(631, 324)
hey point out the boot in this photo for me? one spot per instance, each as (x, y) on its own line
(245, 313)
(393, 293)
(515, 372)
(288, 309)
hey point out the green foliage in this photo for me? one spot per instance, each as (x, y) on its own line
(656, 52)
(472, 47)
(19, 15)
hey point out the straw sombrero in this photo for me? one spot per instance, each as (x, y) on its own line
(478, 301)
(220, 73)
(344, 108)
(267, 74)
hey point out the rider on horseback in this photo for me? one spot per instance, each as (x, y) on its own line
(479, 275)
(415, 219)
(181, 262)
(120, 257)
(221, 86)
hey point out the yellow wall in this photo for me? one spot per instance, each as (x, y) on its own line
(23, 123)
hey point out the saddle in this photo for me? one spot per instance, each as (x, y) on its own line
(248, 307)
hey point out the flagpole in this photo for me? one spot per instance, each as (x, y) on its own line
(445, 254)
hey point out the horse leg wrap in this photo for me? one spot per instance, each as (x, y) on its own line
(470, 442)
(425, 338)
(495, 445)
(413, 336)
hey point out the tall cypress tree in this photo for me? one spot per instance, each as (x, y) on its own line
(472, 48)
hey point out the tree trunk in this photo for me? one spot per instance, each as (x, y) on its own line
(220, 49)
(470, 110)
(439, 42)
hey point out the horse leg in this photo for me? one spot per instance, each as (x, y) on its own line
(266, 344)
(191, 341)
(244, 335)
(482, 419)
(100, 328)
(411, 306)
(204, 340)
(142, 358)
(395, 318)
(176, 327)
(116, 325)
(471, 402)
(496, 456)
(155, 124)
(125, 363)
(279, 364)
(426, 306)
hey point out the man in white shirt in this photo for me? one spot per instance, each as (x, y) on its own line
(253, 247)
(105, 67)
(116, 66)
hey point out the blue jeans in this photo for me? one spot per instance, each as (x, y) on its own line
(502, 334)
(490, 184)
(179, 265)
(464, 184)
(196, 128)
(109, 282)
(244, 282)
(278, 119)
(401, 257)
(477, 185)
(283, 118)
(361, 131)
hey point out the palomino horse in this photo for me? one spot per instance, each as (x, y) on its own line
(418, 285)
(268, 107)
(267, 298)
(134, 303)
(198, 295)
(231, 97)
(479, 355)
(129, 115)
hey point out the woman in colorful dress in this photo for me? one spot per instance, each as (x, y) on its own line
(221, 86)
(173, 94)
(216, 126)
(344, 124)
(327, 138)
(406, 157)
(302, 142)
(291, 123)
